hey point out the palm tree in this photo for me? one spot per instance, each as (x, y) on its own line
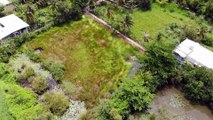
(109, 12)
(128, 22)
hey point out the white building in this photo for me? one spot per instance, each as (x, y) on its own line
(4, 2)
(12, 26)
(194, 53)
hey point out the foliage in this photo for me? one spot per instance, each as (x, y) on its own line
(65, 10)
(39, 85)
(198, 83)
(6, 74)
(56, 102)
(116, 16)
(209, 10)
(105, 111)
(132, 95)
(135, 94)
(161, 63)
(25, 68)
(9, 46)
(21, 102)
(144, 4)
(29, 72)
(57, 69)
(200, 7)
(1, 11)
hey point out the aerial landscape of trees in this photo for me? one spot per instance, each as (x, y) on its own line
(67, 56)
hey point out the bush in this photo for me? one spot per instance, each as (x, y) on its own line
(39, 85)
(56, 102)
(144, 4)
(161, 63)
(209, 10)
(57, 69)
(198, 83)
(105, 111)
(29, 72)
(1, 11)
(135, 94)
(208, 40)
(132, 95)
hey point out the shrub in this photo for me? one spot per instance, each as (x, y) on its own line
(57, 69)
(132, 95)
(208, 40)
(161, 63)
(135, 94)
(39, 85)
(145, 4)
(56, 102)
(198, 83)
(29, 72)
(105, 111)
(1, 10)
(209, 10)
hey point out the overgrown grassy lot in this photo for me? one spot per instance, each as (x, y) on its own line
(94, 59)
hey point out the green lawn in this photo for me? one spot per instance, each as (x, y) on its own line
(94, 59)
(156, 19)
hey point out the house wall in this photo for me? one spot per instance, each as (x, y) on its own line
(17, 33)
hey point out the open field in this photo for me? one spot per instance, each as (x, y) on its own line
(94, 60)
(157, 19)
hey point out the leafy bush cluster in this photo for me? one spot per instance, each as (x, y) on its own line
(56, 102)
(39, 85)
(57, 69)
(200, 7)
(197, 84)
(132, 95)
(43, 13)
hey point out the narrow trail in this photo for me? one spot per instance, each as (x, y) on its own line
(119, 34)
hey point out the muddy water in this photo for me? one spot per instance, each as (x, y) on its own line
(170, 104)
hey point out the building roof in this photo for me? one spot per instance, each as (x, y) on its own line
(4, 2)
(10, 24)
(195, 53)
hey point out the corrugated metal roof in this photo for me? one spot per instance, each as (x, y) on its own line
(4, 2)
(195, 53)
(10, 24)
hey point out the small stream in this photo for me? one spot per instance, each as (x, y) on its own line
(170, 104)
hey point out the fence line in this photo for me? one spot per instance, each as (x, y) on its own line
(119, 34)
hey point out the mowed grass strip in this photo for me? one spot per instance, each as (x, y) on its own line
(95, 60)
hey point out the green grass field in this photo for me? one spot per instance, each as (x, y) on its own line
(156, 19)
(94, 59)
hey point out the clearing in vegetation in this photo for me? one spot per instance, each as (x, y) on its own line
(94, 59)
(158, 18)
